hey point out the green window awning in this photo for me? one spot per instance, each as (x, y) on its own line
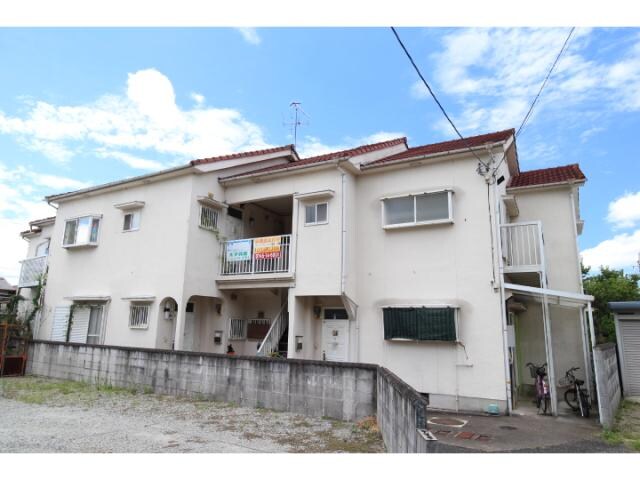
(419, 323)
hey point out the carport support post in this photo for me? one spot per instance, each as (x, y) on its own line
(550, 364)
(585, 352)
(593, 346)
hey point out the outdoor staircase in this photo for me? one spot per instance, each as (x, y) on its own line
(283, 345)
(276, 338)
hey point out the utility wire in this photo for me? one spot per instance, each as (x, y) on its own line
(544, 83)
(535, 100)
(426, 84)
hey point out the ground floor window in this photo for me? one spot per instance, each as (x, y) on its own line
(139, 315)
(420, 323)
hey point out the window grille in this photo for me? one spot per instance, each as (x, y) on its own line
(139, 316)
(208, 217)
(237, 329)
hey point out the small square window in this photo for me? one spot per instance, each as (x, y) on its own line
(208, 217)
(131, 221)
(139, 316)
(316, 214)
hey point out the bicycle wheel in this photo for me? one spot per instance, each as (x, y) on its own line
(547, 405)
(584, 404)
(571, 399)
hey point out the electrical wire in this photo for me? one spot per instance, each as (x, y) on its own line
(426, 84)
(535, 100)
(544, 83)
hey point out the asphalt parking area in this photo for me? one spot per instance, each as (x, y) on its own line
(523, 433)
(44, 415)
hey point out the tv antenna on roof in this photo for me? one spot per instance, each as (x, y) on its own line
(299, 118)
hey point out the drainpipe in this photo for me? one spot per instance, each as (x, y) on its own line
(353, 308)
(494, 221)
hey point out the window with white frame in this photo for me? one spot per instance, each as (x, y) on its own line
(208, 217)
(131, 221)
(42, 249)
(237, 329)
(139, 315)
(81, 231)
(316, 214)
(418, 209)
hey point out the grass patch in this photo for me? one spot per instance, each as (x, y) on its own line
(626, 429)
(41, 391)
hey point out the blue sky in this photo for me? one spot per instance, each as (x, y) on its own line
(80, 107)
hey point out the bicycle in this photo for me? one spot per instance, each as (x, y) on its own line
(576, 397)
(543, 395)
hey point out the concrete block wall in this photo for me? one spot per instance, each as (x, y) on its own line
(605, 362)
(401, 411)
(345, 391)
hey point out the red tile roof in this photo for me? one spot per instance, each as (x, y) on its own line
(444, 147)
(232, 156)
(547, 176)
(352, 152)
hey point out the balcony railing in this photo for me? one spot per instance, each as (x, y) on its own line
(31, 271)
(522, 246)
(256, 255)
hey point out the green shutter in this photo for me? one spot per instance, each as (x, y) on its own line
(420, 323)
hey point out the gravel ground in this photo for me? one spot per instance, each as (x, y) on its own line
(43, 415)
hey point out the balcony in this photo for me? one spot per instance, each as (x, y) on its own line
(522, 247)
(31, 271)
(256, 259)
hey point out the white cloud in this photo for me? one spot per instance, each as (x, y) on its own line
(18, 205)
(312, 146)
(132, 160)
(198, 98)
(146, 119)
(619, 252)
(494, 74)
(624, 212)
(250, 35)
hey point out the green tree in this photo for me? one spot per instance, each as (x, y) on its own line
(609, 286)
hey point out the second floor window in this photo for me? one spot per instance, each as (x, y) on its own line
(131, 221)
(316, 214)
(418, 209)
(139, 315)
(81, 231)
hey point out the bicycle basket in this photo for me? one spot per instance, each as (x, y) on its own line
(532, 370)
(564, 382)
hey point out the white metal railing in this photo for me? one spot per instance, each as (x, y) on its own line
(237, 329)
(273, 336)
(32, 269)
(522, 245)
(256, 255)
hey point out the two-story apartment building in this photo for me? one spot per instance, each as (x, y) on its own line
(451, 271)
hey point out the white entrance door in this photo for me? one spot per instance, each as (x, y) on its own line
(335, 336)
(189, 328)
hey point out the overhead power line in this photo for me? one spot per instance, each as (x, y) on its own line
(426, 84)
(535, 100)
(546, 79)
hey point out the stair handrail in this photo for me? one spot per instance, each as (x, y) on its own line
(276, 326)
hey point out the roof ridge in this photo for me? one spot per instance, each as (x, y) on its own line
(390, 142)
(444, 146)
(249, 153)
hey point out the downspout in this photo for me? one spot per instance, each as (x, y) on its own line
(494, 221)
(352, 306)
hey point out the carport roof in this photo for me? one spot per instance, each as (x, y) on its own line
(624, 306)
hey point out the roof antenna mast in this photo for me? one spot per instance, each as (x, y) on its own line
(297, 120)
